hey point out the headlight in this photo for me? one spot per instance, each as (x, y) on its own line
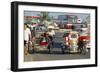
(84, 39)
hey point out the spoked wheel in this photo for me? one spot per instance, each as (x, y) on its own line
(50, 46)
(63, 50)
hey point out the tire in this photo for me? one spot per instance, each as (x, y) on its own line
(83, 51)
(63, 50)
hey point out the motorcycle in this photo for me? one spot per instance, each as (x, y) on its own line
(83, 44)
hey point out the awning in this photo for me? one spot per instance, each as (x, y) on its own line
(35, 20)
(52, 27)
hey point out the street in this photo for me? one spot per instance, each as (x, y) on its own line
(56, 56)
(56, 52)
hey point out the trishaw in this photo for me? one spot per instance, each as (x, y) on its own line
(75, 43)
(70, 42)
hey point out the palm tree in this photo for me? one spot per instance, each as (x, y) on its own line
(45, 16)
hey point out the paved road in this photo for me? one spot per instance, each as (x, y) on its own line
(56, 53)
(56, 56)
(57, 40)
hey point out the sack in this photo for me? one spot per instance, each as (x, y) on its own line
(30, 50)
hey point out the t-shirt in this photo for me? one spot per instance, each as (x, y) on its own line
(51, 33)
(27, 32)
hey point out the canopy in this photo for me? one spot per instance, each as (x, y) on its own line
(35, 20)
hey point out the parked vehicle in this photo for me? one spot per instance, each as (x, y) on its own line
(68, 26)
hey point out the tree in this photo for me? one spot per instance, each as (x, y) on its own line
(44, 16)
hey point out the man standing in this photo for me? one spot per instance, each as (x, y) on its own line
(27, 38)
